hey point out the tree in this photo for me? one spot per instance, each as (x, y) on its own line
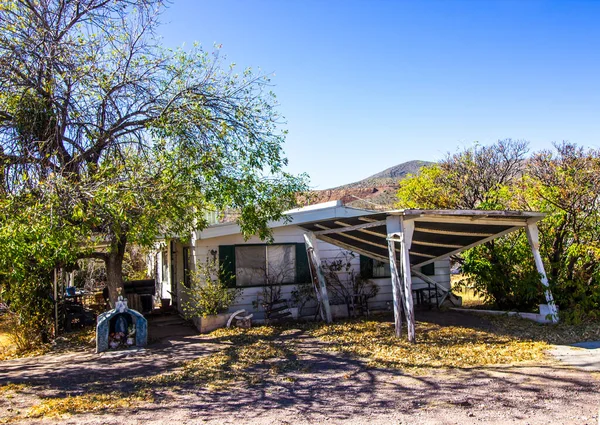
(483, 177)
(107, 134)
(480, 177)
(565, 184)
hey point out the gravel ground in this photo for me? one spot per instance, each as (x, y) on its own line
(330, 389)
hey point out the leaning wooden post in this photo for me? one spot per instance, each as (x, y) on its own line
(311, 245)
(408, 228)
(393, 228)
(534, 241)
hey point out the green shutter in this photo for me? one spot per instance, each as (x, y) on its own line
(227, 264)
(428, 269)
(302, 268)
(366, 267)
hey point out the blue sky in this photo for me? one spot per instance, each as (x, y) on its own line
(365, 85)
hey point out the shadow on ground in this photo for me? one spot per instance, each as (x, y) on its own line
(318, 385)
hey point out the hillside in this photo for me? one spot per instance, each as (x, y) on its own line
(374, 192)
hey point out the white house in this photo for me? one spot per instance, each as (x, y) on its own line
(251, 260)
(383, 245)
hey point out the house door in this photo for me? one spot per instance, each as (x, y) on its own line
(174, 298)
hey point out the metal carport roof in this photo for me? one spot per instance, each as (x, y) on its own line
(437, 233)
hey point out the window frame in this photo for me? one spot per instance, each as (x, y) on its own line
(300, 275)
(368, 268)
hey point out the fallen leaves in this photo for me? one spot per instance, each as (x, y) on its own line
(437, 346)
(53, 407)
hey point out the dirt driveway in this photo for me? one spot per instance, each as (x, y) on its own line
(328, 388)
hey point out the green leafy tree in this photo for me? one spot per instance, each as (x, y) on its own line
(488, 178)
(111, 139)
(565, 184)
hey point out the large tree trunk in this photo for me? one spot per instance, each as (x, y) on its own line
(114, 268)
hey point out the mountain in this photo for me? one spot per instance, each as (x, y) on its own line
(375, 192)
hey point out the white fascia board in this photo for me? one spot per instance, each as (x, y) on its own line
(412, 213)
(294, 217)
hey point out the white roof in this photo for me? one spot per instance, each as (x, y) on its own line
(312, 213)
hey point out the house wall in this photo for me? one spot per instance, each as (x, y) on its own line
(207, 249)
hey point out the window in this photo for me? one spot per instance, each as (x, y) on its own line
(370, 268)
(381, 269)
(254, 265)
(271, 264)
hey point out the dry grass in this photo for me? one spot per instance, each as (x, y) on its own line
(72, 341)
(53, 407)
(7, 348)
(560, 334)
(469, 298)
(250, 355)
(12, 389)
(437, 346)
(269, 354)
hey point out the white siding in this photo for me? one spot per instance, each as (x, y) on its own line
(209, 248)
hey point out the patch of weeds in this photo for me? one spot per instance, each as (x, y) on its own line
(437, 346)
(53, 407)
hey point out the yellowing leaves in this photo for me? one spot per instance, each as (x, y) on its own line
(437, 347)
(59, 406)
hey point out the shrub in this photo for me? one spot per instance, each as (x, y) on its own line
(208, 294)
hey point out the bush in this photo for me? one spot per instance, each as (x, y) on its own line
(503, 272)
(30, 307)
(345, 285)
(208, 294)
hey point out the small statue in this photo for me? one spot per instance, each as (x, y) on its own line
(121, 304)
(121, 325)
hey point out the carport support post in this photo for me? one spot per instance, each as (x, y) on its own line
(408, 228)
(393, 228)
(534, 242)
(311, 244)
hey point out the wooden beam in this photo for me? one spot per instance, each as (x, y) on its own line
(311, 245)
(422, 254)
(351, 237)
(370, 232)
(437, 245)
(349, 247)
(482, 220)
(346, 227)
(408, 228)
(393, 227)
(464, 248)
(527, 215)
(534, 241)
(367, 219)
(453, 232)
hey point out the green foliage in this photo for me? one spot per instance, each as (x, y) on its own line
(117, 140)
(564, 183)
(425, 191)
(504, 273)
(208, 293)
(480, 177)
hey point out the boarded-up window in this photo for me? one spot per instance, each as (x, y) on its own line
(262, 264)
